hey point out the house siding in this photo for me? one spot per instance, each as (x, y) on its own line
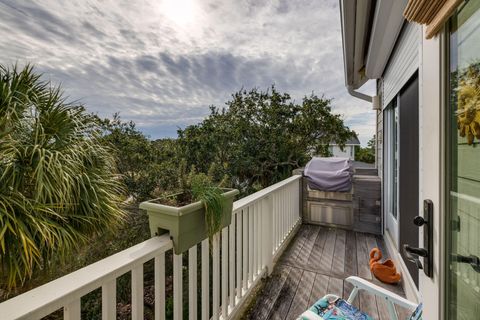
(347, 152)
(379, 133)
(403, 62)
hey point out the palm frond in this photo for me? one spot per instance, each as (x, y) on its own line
(58, 183)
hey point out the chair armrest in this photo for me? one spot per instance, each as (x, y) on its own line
(361, 284)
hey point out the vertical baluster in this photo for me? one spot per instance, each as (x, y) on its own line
(296, 204)
(285, 214)
(245, 248)
(216, 276)
(192, 283)
(277, 218)
(109, 300)
(239, 253)
(298, 200)
(137, 292)
(281, 210)
(289, 206)
(177, 287)
(205, 280)
(72, 311)
(255, 239)
(231, 257)
(268, 228)
(224, 272)
(273, 220)
(259, 235)
(288, 197)
(250, 244)
(290, 209)
(159, 273)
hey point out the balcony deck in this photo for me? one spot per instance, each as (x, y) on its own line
(315, 263)
(218, 281)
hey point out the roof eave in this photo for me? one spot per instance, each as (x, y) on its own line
(355, 20)
(369, 32)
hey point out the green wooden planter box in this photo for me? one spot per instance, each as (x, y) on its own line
(186, 224)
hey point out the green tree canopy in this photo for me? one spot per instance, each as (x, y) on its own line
(367, 154)
(261, 136)
(145, 166)
(58, 183)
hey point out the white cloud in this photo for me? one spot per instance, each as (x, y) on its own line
(162, 63)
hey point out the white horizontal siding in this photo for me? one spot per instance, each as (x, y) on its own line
(403, 62)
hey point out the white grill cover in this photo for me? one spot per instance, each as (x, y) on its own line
(329, 174)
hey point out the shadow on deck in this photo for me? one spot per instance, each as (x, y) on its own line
(316, 263)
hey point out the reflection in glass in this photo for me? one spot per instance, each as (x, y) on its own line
(463, 180)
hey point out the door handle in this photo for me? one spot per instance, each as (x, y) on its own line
(412, 254)
(472, 260)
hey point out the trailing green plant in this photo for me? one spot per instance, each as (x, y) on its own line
(57, 181)
(203, 189)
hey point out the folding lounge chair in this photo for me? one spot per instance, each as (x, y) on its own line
(331, 307)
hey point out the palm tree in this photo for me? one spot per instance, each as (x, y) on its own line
(57, 181)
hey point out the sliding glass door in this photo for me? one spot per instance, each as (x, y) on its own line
(463, 166)
(391, 170)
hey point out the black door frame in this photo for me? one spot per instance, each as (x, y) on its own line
(409, 178)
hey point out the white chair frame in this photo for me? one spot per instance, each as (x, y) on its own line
(390, 297)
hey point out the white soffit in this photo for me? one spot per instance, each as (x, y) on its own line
(388, 21)
(347, 15)
(354, 16)
(361, 38)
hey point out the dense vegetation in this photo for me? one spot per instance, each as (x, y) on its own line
(260, 137)
(366, 154)
(57, 180)
(257, 140)
(63, 171)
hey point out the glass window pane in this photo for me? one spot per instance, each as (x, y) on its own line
(463, 286)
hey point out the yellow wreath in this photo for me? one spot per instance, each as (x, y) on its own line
(468, 113)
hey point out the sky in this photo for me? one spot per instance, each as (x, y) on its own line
(161, 63)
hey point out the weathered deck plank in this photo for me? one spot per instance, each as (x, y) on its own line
(335, 286)
(350, 264)
(300, 301)
(316, 263)
(285, 297)
(368, 304)
(328, 252)
(338, 264)
(319, 288)
(316, 254)
(308, 245)
(291, 253)
(362, 257)
(270, 292)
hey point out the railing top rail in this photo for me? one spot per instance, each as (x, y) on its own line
(241, 203)
(51, 296)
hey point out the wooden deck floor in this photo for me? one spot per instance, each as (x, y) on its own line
(316, 263)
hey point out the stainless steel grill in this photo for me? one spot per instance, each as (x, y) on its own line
(358, 209)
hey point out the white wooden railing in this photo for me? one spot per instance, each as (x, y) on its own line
(242, 253)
